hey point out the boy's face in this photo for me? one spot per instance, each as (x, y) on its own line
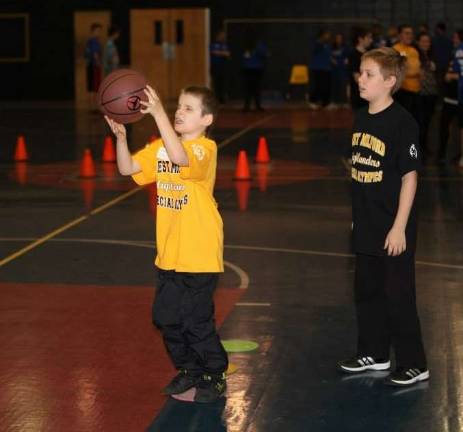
(189, 118)
(372, 84)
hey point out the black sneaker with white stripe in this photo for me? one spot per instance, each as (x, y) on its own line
(362, 364)
(406, 377)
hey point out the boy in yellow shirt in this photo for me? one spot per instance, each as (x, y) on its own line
(189, 236)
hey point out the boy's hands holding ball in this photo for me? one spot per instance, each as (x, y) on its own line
(117, 128)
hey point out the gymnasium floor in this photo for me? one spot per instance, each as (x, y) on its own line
(78, 351)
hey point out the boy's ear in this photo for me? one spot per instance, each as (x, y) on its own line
(390, 81)
(207, 119)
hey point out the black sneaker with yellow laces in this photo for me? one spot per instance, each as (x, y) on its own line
(210, 388)
(182, 382)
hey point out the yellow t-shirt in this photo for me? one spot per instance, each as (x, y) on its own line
(189, 229)
(413, 67)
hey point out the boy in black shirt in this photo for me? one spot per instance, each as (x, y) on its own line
(385, 161)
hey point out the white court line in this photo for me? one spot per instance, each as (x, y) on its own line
(144, 243)
(243, 276)
(252, 304)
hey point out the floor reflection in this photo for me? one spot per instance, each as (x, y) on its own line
(178, 416)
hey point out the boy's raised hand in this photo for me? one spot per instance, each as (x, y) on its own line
(117, 128)
(396, 242)
(153, 103)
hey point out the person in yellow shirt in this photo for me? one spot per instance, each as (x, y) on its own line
(408, 95)
(189, 236)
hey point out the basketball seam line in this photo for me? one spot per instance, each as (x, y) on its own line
(122, 95)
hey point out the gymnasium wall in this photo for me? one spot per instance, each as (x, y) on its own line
(49, 72)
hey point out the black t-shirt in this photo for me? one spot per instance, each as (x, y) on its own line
(384, 148)
(354, 67)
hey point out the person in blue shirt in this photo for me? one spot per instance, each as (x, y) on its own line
(339, 73)
(320, 70)
(93, 58)
(111, 55)
(254, 62)
(458, 74)
(442, 49)
(219, 56)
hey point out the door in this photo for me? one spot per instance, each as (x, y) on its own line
(170, 47)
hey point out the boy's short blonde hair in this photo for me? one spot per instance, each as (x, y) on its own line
(209, 102)
(390, 62)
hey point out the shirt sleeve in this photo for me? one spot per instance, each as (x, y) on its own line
(409, 157)
(146, 158)
(199, 160)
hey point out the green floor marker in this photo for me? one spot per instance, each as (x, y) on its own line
(238, 345)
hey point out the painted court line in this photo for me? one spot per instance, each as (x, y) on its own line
(63, 228)
(244, 277)
(103, 207)
(241, 133)
(253, 304)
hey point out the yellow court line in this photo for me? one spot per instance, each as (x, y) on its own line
(54, 233)
(80, 219)
(240, 133)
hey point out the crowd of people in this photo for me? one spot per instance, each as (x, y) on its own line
(432, 76)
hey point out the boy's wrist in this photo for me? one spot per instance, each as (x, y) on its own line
(398, 227)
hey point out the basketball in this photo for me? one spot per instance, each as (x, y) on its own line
(120, 94)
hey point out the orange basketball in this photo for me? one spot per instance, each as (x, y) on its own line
(120, 94)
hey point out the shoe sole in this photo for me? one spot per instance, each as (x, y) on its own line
(375, 367)
(396, 383)
(167, 393)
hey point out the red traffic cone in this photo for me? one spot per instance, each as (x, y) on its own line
(87, 166)
(20, 154)
(262, 155)
(242, 171)
(109, 155)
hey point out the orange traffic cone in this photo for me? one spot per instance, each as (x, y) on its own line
(20, 154)
(242, 171)
(87, 166)
(109, 155)
(242, 194)
(262, 155)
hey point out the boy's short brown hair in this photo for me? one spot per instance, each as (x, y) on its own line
(209, 102)
(390, 62)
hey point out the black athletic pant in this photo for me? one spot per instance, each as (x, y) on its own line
(385, 300)
(320, 86)
(219, 80)
(252, 87)
(183, 310)
(448, 113)
(427, 104)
